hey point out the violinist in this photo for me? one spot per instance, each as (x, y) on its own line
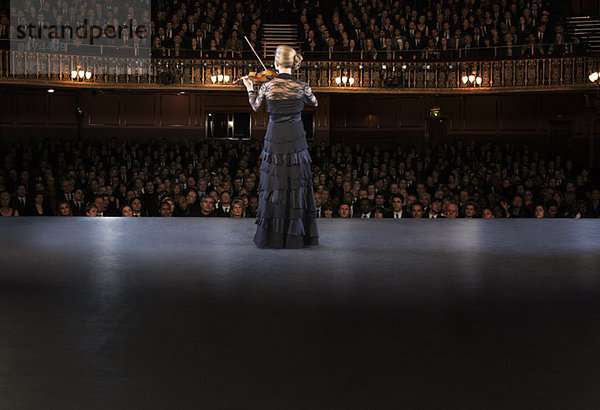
(286, 214)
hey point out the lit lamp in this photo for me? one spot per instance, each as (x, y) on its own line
(472, 78)
(478, 80)
(351, 80)
(74, 74)
(594, 77)
(88, 75)
(220, 77)
(81, 73)
(345, 79)
(226, 78)
(213, 78)
(465, 79)
(338, 80)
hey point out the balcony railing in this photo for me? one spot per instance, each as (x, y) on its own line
(422, 75)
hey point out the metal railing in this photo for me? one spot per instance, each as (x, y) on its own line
(567, 72)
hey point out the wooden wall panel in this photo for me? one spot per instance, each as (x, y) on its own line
(175, 110)
(199, 112)
(357, 114)
(31, 108)
(7, 114)
(451, 108)
(481, 113)
(228, 100)
(62, 109)
(518, 113)
(337, 112)
(413, 113)
(104, 109)
(140, 109)
(322, 112)
(32, 111)
(386, 111)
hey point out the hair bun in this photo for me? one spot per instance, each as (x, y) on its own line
(297, 61)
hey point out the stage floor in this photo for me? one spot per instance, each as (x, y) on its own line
(125, 313)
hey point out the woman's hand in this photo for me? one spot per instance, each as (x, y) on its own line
(248, 83)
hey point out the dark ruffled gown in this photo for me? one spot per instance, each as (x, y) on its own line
(286, 215)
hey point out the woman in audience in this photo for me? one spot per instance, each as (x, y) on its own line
(5, 208)
(539, 211)
(40, 207)
(126, 211)
(238, 209)
(164, 210)
(64, 209)
(487, 214)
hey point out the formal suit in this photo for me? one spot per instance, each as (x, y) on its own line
(21, 204)
(223, 211)
(64, 197)
(78, 208)
(395, 215)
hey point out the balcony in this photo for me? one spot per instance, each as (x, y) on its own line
(418, 76)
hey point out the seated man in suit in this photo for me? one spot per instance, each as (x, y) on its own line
(21, 202)
(435, 209)
(344, 210)
(416, 210)
(224, 207)
(365, 209)
(78, 202)
(397, 212)
(207, 207)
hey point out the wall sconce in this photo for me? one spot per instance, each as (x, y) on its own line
(344, 80)
(80, 74)
(472, 79)
(220, 78)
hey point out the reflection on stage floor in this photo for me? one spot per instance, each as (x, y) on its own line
(187, 313)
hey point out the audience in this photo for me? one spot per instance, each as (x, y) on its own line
(339, 29)
(219, 179)
(394, 29)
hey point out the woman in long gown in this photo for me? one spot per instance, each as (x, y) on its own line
(286, 215)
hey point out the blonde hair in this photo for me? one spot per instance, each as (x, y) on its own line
(287, 57)
(241, 202)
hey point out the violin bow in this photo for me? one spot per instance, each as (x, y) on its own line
(255, 53)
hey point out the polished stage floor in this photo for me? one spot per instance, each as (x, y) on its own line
(186, 313)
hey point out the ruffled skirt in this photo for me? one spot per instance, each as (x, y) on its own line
(286, 215)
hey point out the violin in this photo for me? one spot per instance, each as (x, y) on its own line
(258, 77)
